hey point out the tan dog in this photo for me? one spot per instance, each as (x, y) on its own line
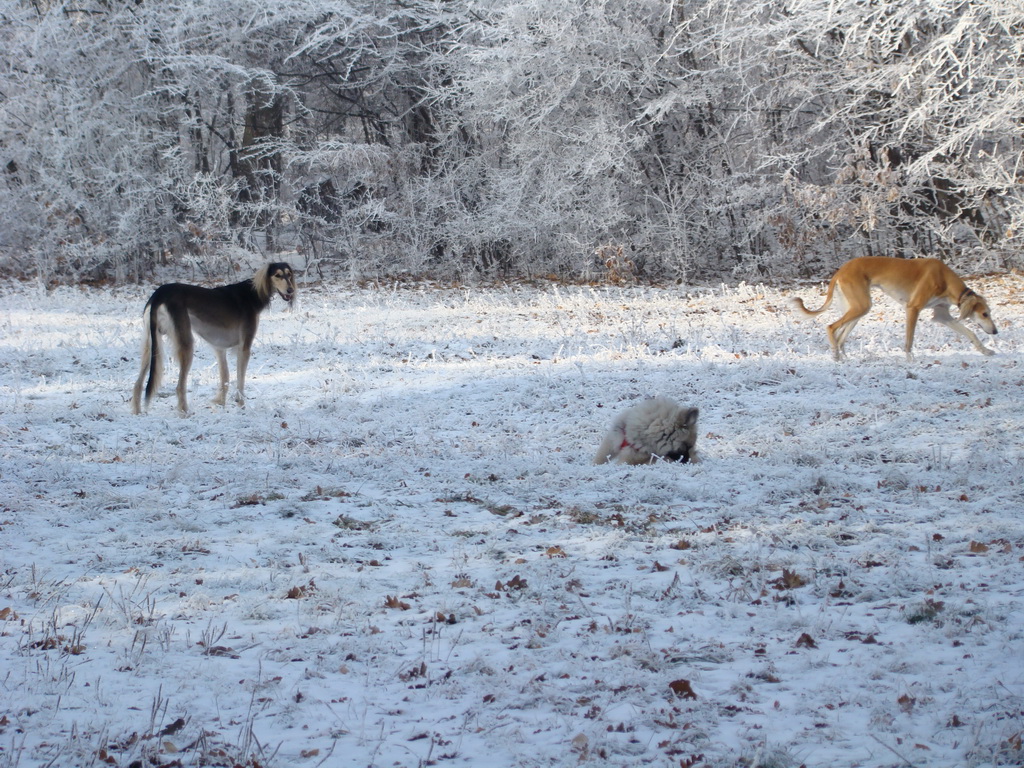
(655, 429)
(226, 316)
(917, 284)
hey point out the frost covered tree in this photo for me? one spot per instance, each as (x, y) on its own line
(586, 138)
(716, 137)
(131, 132)
(538, 150)
(894, 127)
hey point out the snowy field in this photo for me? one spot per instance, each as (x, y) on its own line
(400, 554)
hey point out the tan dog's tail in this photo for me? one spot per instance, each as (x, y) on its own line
(799, 303)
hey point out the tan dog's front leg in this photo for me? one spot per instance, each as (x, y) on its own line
(941, 315)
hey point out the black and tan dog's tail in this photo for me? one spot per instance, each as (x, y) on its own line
(152, 358)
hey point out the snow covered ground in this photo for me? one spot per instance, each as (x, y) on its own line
(400, 554)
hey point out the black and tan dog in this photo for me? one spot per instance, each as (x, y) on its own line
(226, 316)
(917, 284)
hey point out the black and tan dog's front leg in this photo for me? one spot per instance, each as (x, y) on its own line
(244, 351)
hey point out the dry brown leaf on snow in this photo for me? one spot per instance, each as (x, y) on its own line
(516, 582)
(683, 689)
(173, 728)
(806, 641)
(296, 593)
(789, 580)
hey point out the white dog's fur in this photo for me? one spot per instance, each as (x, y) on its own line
(655, 429)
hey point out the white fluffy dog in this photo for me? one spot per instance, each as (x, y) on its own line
(654, 429)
